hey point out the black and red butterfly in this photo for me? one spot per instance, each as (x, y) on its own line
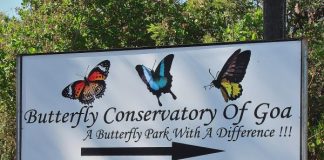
(232, 73)
(91, 87)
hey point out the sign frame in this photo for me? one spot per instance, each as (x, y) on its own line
(303, 79)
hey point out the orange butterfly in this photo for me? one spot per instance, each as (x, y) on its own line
(91, 87)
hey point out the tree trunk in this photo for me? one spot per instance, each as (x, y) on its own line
(274, 19)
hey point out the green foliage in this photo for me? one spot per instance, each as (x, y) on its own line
(316, 139)
(248, 28)
(7, 92)
(306, 19)
(69, 25)
(206, 21)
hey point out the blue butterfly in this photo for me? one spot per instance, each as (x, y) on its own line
(158, 81)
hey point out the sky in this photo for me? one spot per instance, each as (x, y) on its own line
(8, 7)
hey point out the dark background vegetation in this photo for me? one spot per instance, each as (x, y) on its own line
(70, 25)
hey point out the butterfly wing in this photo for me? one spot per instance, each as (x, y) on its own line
(232, 74)
(162, 73)
(230, 90)
(74, 90)
(147, 77)
(92, 90)
(163, 69)
(100, 71)
(235, 67)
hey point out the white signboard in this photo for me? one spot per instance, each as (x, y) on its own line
(223, 101)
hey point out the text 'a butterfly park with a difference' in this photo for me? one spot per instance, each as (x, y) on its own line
(242, 100)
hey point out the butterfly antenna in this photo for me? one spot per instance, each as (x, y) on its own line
(212, 74)
(153, 64)
(79, 75)
(211, 85)
(86, 71)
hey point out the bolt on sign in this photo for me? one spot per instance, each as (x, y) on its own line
(244, 100)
